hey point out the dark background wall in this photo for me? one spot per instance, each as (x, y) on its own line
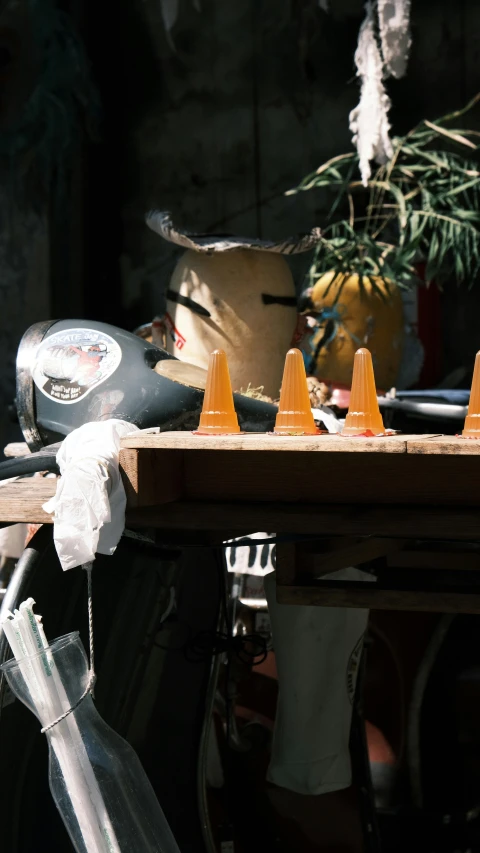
(253, 95)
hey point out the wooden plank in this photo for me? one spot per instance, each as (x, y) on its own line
(337, 477)
(381, 599)
(16, 449)
(409, 522)
(268, 442)
(22, 500)
(435, 560)
(447, 445)
(214, 469)
(151, 478)
(317, 558)
(350, 553)
(285, 563)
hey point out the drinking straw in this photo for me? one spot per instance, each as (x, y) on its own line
(63, 705)
(26, 637)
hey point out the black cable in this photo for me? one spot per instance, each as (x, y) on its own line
(250, 649)
(228, 768)
(43, 460)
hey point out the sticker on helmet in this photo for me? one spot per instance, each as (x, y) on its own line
(71, 363)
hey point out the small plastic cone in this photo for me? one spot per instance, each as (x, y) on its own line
(472, 421)
(294, 410)
(218, 414)
(363, 414)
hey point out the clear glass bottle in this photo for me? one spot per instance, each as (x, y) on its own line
(96, 779)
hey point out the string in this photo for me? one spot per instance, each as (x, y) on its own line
(88, 568)
(91, 676)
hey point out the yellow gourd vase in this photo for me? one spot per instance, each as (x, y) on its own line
(362, 317)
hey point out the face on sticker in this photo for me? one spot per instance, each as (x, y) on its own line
(70, 364)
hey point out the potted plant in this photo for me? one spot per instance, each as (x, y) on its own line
(421, 206)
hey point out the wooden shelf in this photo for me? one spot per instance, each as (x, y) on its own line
(266, 442)
(392, 489)
(409, 522)
(180, 479)
(448, 445)
(423, 470)
(428, 600)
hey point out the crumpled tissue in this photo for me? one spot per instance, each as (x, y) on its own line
(89, 505)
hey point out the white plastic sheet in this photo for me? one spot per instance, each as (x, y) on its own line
(324, 415)
(90, 502)
(12, 540)
(317, 652)
(256, 560)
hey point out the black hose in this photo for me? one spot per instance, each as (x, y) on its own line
(43, 460)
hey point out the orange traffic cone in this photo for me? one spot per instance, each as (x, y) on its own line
(363, 413)
(472, 421)
(218, 413)
(294, 410)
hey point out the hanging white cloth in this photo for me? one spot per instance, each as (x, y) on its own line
(369, 120)
(394, 26)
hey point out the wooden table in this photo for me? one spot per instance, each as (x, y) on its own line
(405, 506)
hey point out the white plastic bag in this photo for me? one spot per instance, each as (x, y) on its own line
(90, 502)
(317, 651)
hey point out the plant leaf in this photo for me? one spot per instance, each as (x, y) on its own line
(451, 134)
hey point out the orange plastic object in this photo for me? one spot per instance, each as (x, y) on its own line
(218, 414)
(294, 410)
(363, 413)
(472, 421)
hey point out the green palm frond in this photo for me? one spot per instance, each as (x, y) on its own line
(422, 205)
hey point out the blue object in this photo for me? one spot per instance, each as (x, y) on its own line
(334, 314)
